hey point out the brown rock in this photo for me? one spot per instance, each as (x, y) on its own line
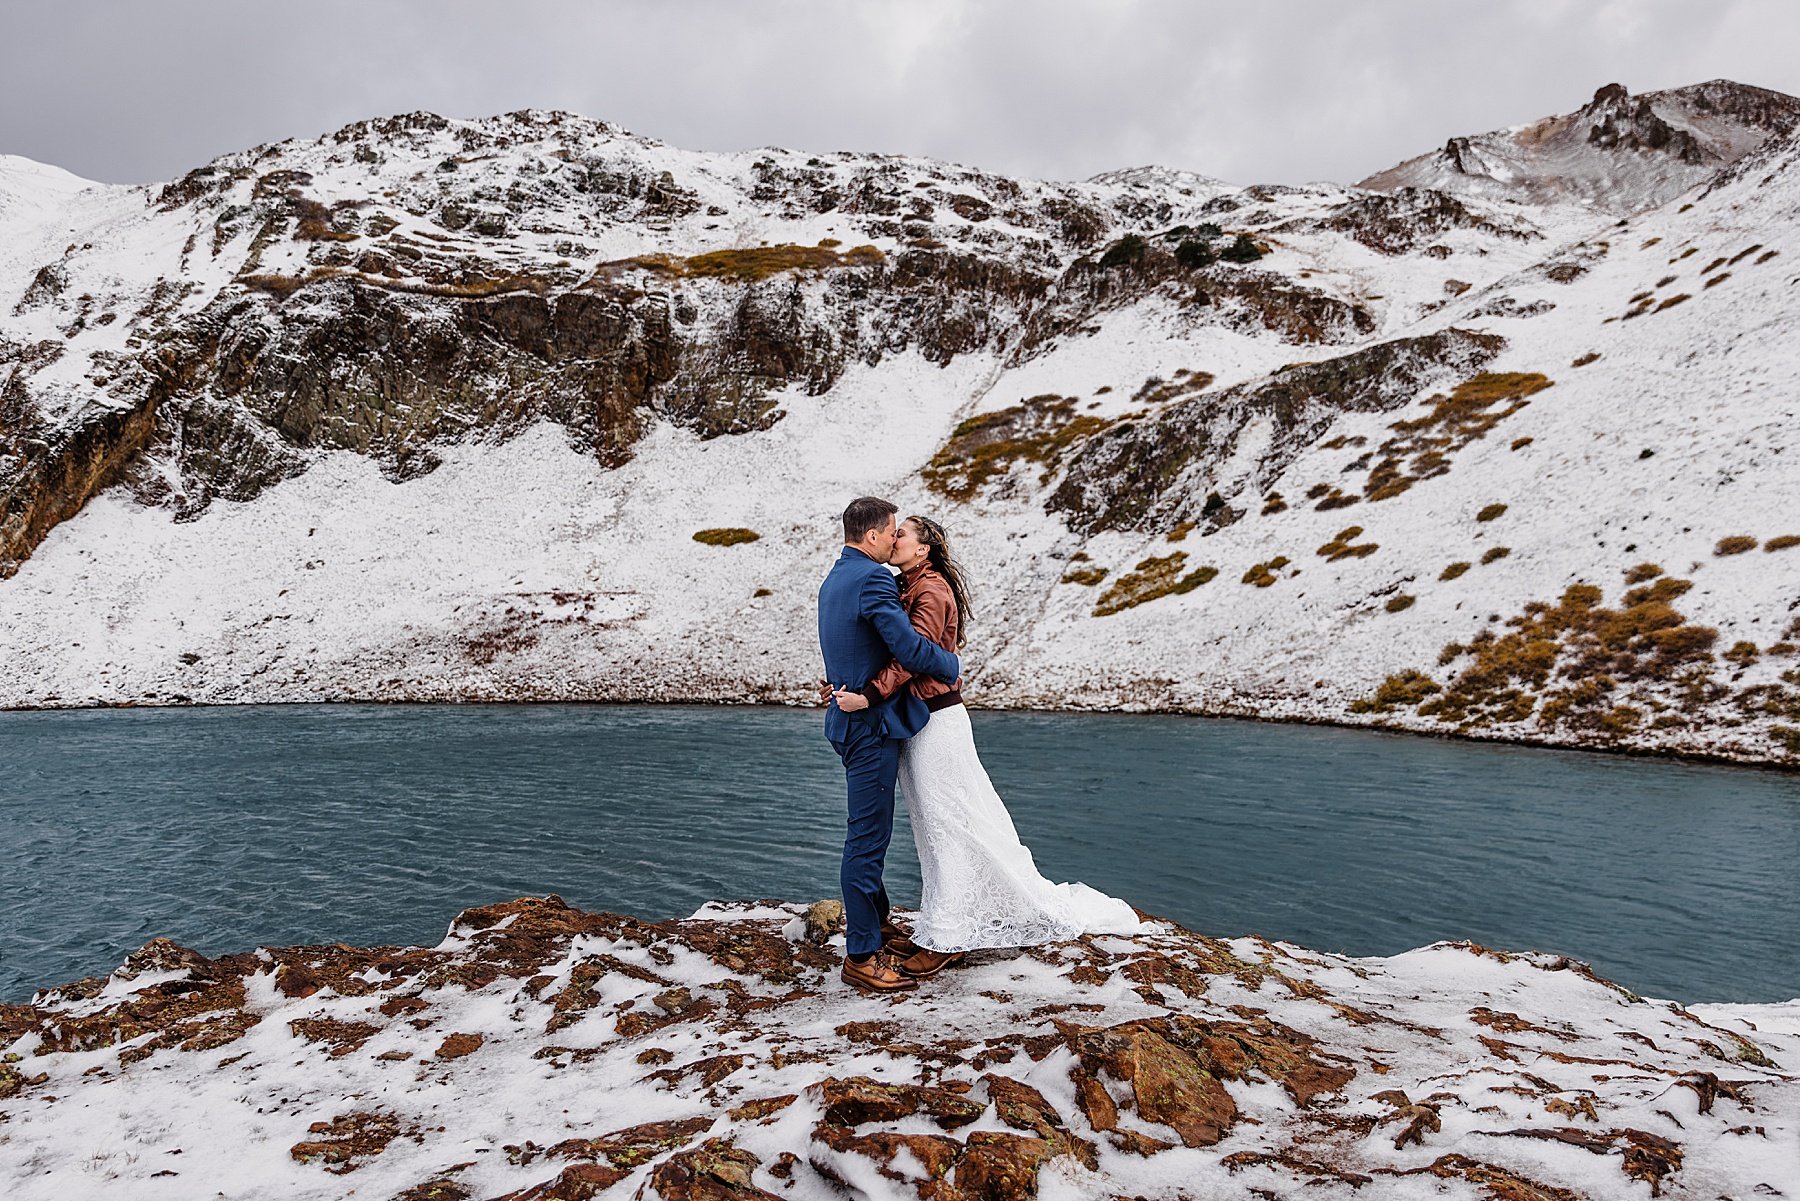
(739, 948)
(578, 1182)
(1002, 1167)
(824, 919)
(708, 1071)
(13, 1081)
(340, 1037)
(1137, 1144)
(1293, 1162)
(435, 1190)
(161, 955)
(296, 980)
(671, 1006)
(632, 1147)
(858, 1100)
(1418, 1119)
(1285, 1055)
(1024, 1108)
(574, 999)
(1101, 1110)
(937, 1153)
(393, 1007)
(456, 1046)
(1650, 1158)
(762, 1107)
(346, 1139)
(1168, 1083)
(1498, 1183)
(714, 1171)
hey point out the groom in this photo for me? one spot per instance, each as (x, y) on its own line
(861, 627)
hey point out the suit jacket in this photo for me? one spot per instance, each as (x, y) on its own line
(861, 627)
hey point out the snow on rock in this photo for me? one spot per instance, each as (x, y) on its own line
(1618, 153)
(544, 1052)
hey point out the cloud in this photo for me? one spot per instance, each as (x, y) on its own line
(1284, 91)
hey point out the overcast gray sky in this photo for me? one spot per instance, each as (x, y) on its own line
(1275, 91)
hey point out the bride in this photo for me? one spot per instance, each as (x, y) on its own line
(982, 888)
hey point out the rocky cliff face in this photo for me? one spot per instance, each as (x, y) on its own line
(541, 1052)
(427, 409)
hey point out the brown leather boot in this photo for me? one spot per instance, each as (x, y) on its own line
(922, 962)
(876, 974)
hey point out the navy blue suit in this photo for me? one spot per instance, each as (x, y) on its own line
(862, 626)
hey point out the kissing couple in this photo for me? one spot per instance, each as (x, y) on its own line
(895, 713)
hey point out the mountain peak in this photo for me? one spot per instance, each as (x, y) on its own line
(1618, 152)
(1154, 176)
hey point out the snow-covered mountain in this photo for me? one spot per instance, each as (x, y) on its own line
(430, 409)
(1672, 140)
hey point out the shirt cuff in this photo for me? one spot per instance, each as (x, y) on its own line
(872, 695)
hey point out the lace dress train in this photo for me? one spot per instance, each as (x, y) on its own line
(982, 888)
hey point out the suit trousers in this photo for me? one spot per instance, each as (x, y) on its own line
(871, 764)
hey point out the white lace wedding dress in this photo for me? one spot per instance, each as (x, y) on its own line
(981, 887)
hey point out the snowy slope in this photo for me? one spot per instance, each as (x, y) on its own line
(519, 564)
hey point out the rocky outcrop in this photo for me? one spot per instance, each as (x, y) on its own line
(1408, 219)
(1617, 120)
(48, 474)
(543, 1052)
(1155, 472)
(1619, 152)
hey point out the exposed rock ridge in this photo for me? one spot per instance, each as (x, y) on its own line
(1618, 152)
(543, 1052)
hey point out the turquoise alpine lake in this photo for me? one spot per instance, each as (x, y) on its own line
(229, 828)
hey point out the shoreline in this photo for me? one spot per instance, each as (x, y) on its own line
(1687, 757)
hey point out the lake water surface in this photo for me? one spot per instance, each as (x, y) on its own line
(226, 828)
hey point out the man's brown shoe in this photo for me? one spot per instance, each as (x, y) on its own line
(877, 973)
(895, 940)
(922, 962)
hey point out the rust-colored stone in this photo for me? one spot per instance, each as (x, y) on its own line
(455, 1046)
(346, 1139)
(859, 1100)
(936, 1153)
(340, 1037)
(1002, 1167)
(630, 1148)
(1024, 1108)
(395, 1007)
(762, 1107)
(577, 1182)
(714, 1171)
(708, 1071)
(1169, 1085)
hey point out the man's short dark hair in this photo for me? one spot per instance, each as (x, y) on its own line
(864, 514)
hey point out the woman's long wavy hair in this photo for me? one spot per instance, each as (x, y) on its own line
(937, 545)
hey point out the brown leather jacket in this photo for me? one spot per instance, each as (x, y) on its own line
(928, 601)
